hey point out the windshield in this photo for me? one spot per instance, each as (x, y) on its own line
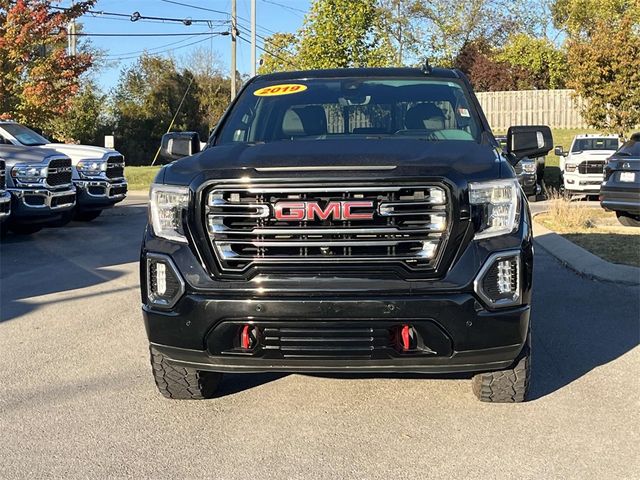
(24, 135)
(331, 108)
(582, 144)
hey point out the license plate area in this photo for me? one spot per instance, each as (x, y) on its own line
(627, 176)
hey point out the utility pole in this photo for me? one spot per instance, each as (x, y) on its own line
(253, 37)
(71, 35)
(234, 32)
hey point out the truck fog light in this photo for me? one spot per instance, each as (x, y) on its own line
(164, 284)
(498, 282)
(161, 278)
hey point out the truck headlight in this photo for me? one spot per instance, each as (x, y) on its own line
(495, 207)
(168, 202)
(91, 168)
(29, 173)
(529, 167)
(570, 167)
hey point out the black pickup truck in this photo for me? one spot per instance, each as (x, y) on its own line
(350, 220)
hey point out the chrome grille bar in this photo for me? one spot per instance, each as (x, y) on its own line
(407, 224)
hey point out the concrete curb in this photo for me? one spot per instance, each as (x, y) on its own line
(582, 261)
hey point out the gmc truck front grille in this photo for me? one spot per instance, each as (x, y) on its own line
(312, 225)
(3, 179)
(591, 166)
(59, 172)
(115, 167)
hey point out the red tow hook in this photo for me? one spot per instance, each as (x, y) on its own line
(245, 339)
(406, 337)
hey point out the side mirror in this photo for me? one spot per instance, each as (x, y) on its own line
(532, 142)
(176, 145)
(559, 151)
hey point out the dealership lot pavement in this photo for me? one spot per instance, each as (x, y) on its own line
(77, 398)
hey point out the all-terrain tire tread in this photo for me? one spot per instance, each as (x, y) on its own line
(505, 386)
(182, 383)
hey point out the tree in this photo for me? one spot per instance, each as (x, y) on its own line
(579, 18)
(85, 119)
(280, 53)
(546, 64)
(477, 59)
(448, 25)
(339, 34)
(145, 101)
(605, 71)
(213, 86)
(37, 77)
(399, 26)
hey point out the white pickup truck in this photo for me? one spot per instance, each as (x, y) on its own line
(98, 173)
(582, 167)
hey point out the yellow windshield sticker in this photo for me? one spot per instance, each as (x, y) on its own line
(284, 89)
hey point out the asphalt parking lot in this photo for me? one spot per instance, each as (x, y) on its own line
(77, 399)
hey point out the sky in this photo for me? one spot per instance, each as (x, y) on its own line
(122, 51)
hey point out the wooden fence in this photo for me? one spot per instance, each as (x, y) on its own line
(556, 108)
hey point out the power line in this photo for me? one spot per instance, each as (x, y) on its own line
(83, 34)
(201, 40)
(188, 5)
(288, 62)
(122, 54)
(287, 7)
(137, 16)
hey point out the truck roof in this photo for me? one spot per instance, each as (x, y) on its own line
(360, 72)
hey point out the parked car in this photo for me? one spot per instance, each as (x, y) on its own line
(5, 197)
(526, 172)
(348, 220)
(39, 181)
(98, 173)
(620, 190)
(582, 167)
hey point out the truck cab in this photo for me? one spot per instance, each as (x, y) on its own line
(97, 173)
(582, 167)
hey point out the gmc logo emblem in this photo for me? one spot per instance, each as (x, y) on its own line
(344, 210)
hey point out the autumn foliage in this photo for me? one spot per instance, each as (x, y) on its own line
(38, 78)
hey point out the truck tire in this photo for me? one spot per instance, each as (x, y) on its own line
(628, 220)
(506, 386)
(182, 383)
(87, 216)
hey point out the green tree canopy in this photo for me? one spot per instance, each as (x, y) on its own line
(546, 64)
(605, 71)
(145, 101)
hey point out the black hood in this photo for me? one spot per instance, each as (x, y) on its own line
(459, 161)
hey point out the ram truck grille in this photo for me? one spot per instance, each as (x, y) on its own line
(115, 167)
(313, 225)
(591, 166)
(59, 172)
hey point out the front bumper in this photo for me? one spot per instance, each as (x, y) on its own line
(458, 336)
(620, 197)
(34, 204)
(99, 194)
(583, 183)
